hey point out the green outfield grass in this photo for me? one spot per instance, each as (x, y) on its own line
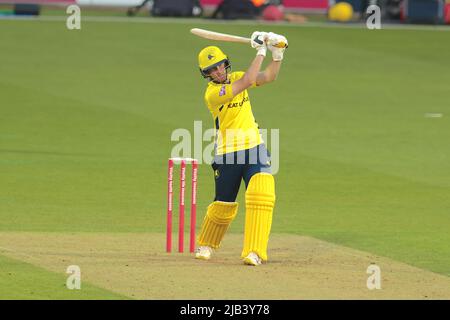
(20, 280)
(86, 119)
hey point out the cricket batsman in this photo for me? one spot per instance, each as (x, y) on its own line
(240, 152)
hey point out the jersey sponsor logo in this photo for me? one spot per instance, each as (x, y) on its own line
(238, 104)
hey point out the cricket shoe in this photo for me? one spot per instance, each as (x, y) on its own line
(203, 253)
(252, 259)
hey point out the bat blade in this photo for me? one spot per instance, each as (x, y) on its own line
(211, 35)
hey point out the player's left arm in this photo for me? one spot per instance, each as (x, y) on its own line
(271, 72)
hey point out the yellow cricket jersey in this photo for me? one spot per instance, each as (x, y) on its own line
(233, 118)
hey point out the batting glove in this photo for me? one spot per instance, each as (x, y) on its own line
(277, 44)
(259, 42)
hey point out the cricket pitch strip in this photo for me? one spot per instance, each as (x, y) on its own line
(137, 266)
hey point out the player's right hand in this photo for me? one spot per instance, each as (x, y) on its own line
(277, 44)
(258, 41)
(276, 40)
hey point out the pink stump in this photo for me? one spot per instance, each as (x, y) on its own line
(193, 204)
(181, 221)
(169, 206)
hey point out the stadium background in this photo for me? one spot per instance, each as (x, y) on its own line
(86, 119)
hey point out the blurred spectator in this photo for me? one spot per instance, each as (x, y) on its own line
(269, 10)
(243, 9)
(272, 13)
(235, 9)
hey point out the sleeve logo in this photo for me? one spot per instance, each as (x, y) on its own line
(222, 91)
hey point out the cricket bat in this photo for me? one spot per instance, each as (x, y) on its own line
(219, 36)
(211, 35)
